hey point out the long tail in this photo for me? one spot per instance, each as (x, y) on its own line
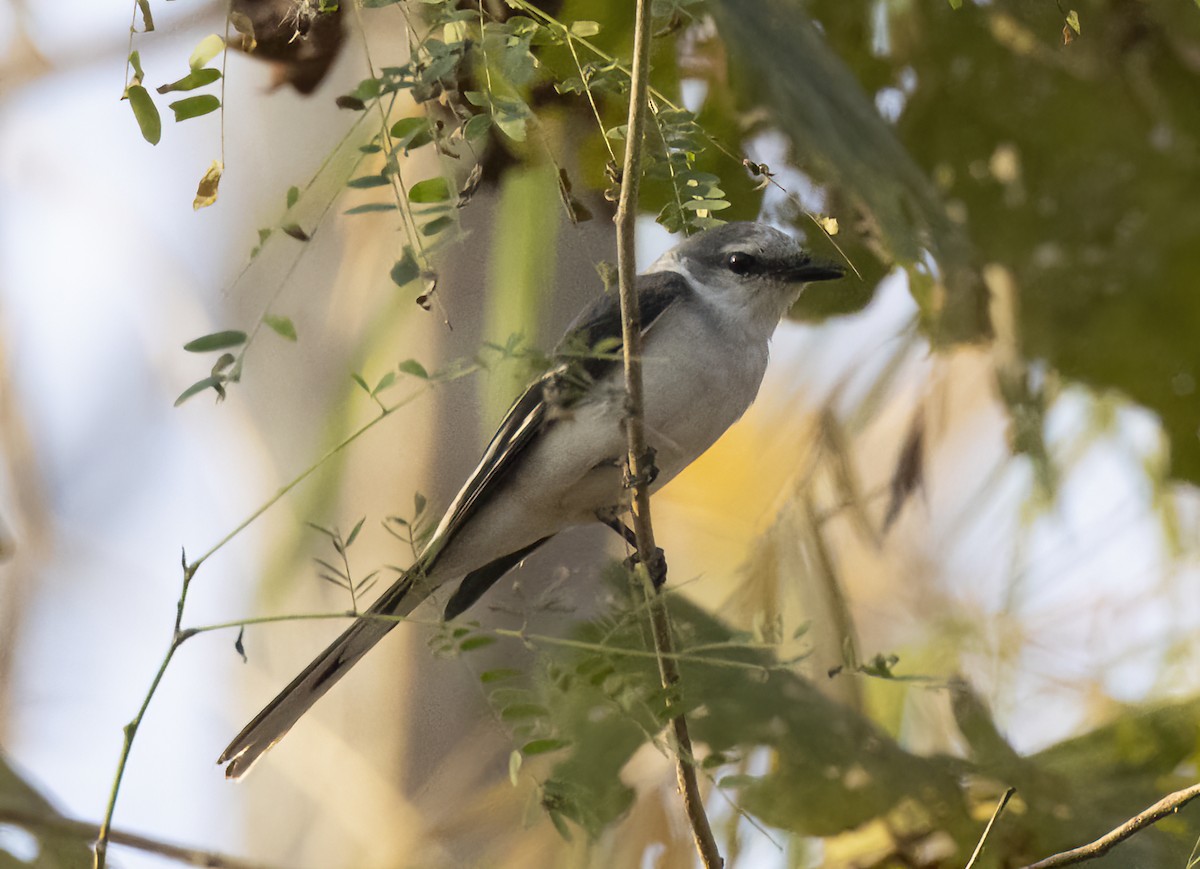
(270, 725)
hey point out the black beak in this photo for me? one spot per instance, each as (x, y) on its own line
(815, 270)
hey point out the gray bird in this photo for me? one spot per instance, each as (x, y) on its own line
(709, 307)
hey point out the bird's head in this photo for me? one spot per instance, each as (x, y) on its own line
(749, 269)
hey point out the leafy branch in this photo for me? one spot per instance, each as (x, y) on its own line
(179, 635)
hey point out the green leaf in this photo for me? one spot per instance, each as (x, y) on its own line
(957, 4)
(194, 107)
(147, 18)
(384, 382)
(411, 133)
(473, 643)
(499, 675)
(520, 711)
(216, 341)
(429, 190)
(293, 196)
(358, 378)
(367, 89)
(195, 79)
(478, 126)
(1073, 21)
(209, 47)
(146, 114)
(413, 367)
(282, 326)
(514, 767)
(706, 204)
(294, 230)
(406, 269)
(542, 746)
(199, 386)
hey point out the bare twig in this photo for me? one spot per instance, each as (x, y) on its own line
(640, 461)
(36, 822)
(988, 829)
(1168, 805)
(180, 635)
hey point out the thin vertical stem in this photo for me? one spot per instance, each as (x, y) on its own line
(640, 460)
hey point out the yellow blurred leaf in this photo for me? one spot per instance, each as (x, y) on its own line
(206, 191)
(209, 47)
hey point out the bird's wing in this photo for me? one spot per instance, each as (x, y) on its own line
(524, 422)
(591, 348)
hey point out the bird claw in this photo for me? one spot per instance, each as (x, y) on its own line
(657, 568)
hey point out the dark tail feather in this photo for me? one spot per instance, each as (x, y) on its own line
(476, 582)
(270, 725)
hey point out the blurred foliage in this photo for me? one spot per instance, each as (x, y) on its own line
(1071, 164)
(48, 847)
(832, 773)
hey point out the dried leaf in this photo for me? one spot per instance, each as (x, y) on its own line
(206, 190)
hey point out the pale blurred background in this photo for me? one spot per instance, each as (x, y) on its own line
(1056, 609)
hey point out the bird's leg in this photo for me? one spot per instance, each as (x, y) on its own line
(658, 563)
(646, 476)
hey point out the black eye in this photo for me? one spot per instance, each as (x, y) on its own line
(741, 264)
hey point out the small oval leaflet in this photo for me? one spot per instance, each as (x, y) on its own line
(195, 79)
(542, 746)
(194, 107)
(282, 326)
(216, 341)
(146, 114)
(201, 385)
(429, 190)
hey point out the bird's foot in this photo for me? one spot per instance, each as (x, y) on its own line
(657, 568)
(647, 471)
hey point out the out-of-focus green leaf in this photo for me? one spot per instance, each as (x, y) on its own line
(1079, 186)
(831, 770)
(216, 341)
(282, 326)
(58, 846)
(786, 66)
(414, 368)
(215, 383)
